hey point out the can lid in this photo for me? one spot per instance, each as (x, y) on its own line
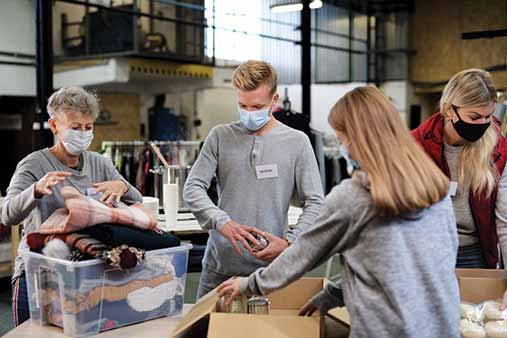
(260, 301)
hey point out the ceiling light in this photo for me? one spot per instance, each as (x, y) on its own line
(294, 7)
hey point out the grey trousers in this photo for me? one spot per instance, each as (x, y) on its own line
(209, 280)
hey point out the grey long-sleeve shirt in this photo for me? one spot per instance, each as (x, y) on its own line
(467, 231)
(234, 155)
(20, 205)
(398, 274)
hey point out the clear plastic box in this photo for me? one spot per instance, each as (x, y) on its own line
(85, 298)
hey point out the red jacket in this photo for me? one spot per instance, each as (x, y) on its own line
(430, 136)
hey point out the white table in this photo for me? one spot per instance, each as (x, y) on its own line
(187, 224)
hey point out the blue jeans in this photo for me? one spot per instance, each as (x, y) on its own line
(208, 281)
(471, 257)
(20, 308)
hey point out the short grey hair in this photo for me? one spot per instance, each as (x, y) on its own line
(73, 99)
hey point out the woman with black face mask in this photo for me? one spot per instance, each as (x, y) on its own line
(464, 140)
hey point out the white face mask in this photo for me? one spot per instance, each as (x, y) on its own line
(76, 141)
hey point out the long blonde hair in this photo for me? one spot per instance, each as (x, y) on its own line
(473, 88)
(403, 178)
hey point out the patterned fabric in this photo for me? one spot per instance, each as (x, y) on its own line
(82, 242)
(81, 212)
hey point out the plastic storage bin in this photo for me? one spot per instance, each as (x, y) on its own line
(87, 297)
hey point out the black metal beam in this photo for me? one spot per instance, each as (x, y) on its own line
(368, 47)
(306, 57)
(44, 62)
(134, 13)
(16, 63)
(17, 55)
(484, 34)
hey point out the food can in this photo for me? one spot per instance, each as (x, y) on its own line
(238, 305)
(259, 306)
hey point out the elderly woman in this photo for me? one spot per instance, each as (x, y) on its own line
(34, 191)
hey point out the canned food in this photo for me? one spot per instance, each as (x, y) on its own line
(262, 241)
(238, 305)
(259, 306)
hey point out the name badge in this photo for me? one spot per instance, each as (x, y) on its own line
(266, 171)
(453, 188)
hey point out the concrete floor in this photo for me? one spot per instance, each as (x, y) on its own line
(6, 323)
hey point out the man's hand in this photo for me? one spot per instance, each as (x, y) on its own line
(275, 247)
(112, 191)
(236, 232)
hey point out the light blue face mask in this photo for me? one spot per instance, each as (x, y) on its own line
(351, 164)
(254, 120)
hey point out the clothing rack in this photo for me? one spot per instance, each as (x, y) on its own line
(135, 159)
(143, 143)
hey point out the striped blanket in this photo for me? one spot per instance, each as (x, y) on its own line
(81, 212)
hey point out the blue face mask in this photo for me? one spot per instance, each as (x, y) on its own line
(254, 120)
(351, 164)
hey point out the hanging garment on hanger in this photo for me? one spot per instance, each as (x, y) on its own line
(294, 120)
(144, 180)
(117, 159)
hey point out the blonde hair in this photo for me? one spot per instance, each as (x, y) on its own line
(73, 99)
(472, 88)
(252, 74)
(403, 178)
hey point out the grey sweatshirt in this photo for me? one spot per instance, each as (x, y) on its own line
(398, 274)
(234, 155)
(467, 231)
(20, 205)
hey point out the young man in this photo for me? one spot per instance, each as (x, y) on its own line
(260, 164)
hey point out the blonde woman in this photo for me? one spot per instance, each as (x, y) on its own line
(392, 224)
(464, 140)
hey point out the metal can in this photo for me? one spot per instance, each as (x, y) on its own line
(238, 305)
(259, 306)
(262, 240)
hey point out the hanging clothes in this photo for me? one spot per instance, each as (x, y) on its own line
(144, 181)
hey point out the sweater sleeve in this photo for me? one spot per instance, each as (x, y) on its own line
(132, 195)
(198, 182)
(329, 236)
(20, 199)
(309, 190)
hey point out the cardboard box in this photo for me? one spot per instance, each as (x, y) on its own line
(479, 285)
(282, 322)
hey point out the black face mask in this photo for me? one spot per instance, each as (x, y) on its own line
(469, 131)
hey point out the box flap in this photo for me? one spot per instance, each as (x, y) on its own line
(199, 311)
(481, 273)
(296, 294)
(225, 325)
(341, 315)
(480, 289)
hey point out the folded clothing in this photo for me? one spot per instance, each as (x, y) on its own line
(82, 211)
(118, 245)
(86, 244)
(116, 235)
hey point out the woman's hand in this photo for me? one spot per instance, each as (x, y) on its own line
(230, 288)
(308, 309)
(503, 306)
(112, 191)
(46, 184)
